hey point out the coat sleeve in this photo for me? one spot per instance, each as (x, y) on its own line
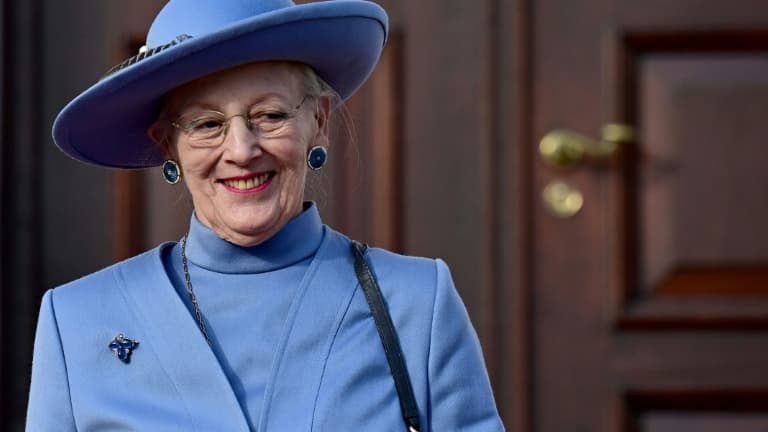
(460, 395)
(50, 408)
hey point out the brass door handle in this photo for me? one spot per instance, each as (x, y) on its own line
(564, 148)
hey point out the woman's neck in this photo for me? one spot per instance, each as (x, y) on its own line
(296, 241)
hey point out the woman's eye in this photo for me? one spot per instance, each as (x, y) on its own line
(269, 116)
(203, 125)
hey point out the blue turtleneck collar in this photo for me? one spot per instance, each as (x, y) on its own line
(295, 242)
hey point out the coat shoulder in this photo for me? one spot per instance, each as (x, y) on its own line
(397, 273)
(387, 264)
(103, 283)
(418, 280)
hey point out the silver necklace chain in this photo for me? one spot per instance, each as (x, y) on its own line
(191, 292)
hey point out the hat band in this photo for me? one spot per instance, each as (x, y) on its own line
(145, 53)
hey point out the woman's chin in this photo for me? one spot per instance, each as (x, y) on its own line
(249, 224)
(249, 229)
(242, 237)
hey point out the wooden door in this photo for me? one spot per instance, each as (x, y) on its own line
(650, 304)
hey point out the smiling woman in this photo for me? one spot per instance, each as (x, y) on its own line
(260, 317)
(246, 172)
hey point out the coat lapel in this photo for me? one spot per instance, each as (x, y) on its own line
(315, 316)
(184, 355)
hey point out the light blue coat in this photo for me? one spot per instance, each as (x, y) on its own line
(329, 371)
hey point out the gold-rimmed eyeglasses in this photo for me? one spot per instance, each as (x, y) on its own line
(207, 128)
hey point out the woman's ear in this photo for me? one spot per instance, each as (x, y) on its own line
(322, 117)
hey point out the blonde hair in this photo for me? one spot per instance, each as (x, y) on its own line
(316, 86)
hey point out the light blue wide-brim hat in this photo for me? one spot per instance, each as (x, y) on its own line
(107, 124)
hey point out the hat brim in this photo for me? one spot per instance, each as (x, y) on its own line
(107, 124)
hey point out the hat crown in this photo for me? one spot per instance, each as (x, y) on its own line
(200, 17)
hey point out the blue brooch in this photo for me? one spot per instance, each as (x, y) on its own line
(122, 347)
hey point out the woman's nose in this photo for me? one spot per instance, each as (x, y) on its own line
(241, 144)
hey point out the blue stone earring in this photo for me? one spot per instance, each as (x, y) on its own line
(171, 171)
(316, 157)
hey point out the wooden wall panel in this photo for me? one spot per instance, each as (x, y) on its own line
(385, 162)
(513, 366)
(449, 170)
(75, 197)
(20, 204)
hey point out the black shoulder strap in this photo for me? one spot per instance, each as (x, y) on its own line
(388, 338)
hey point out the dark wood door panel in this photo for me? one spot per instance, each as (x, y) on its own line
(650, 308)
(688, 14)
(696, 257)
(700, 360)
(703, 422)
(689, 411)
(702, 170)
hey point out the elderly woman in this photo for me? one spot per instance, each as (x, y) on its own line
(261, 318)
